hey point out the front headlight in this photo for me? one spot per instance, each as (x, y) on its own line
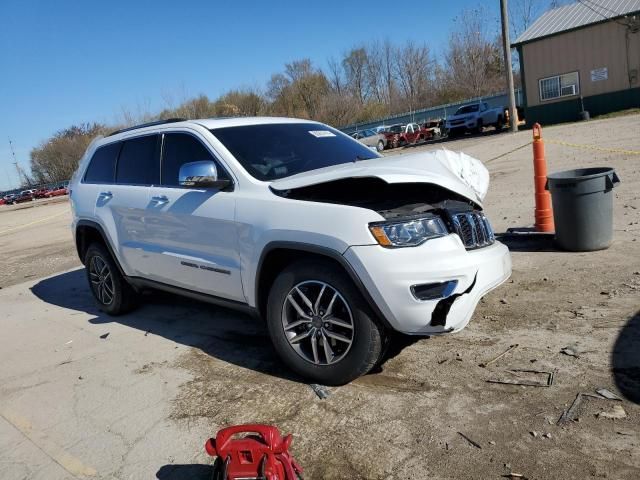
(408, 232)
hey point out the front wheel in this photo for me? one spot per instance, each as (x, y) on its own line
(380, 146)
(320, 325)
(110, 290)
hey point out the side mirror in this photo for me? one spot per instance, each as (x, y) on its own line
(201, 175)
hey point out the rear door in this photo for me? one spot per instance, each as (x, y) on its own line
(193, 230)
(121, 206)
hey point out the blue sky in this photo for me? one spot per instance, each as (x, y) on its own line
(67, 62)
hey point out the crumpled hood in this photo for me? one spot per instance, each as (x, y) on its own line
(454, 171)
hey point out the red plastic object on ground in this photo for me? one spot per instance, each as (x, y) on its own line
(261, 453)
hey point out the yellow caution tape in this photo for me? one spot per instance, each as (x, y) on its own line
(509, 152)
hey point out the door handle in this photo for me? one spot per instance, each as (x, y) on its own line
(160, 199)
(106, 195)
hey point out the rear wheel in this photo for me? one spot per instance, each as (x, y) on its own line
(320, 325)
(110, 290)
(479, 126)
(380, 146)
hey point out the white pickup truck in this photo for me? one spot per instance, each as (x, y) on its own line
(474, 117)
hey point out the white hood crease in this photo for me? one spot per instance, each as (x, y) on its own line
(454, 171)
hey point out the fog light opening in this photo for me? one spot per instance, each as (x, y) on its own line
(433, 291)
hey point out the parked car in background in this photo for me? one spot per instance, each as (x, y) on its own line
(473, 118)
(24, 196)
(400, 135)
(434, 127)
(371, 139)
(8, 199)
(56, 192)
(40, 193)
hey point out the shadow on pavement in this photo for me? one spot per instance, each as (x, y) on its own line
(625, 360)
(527, 240)
(185, 472)
(224, 334)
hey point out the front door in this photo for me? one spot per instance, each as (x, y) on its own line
(192, 230)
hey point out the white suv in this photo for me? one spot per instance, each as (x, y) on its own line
(293, 221)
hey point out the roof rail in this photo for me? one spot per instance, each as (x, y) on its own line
(148, 124)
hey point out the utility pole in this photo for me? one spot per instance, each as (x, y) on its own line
(513, 113)
(22, 176)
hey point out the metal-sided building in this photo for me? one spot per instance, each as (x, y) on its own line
(583, 56)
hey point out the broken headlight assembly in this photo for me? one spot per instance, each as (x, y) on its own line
(408, 232)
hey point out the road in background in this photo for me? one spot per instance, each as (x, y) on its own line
(35, 240)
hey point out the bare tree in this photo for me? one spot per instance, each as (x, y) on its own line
(413, 72)
(474, 64)
(56, 159)
(355, 68)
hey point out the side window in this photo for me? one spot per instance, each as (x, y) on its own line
(181, 148)
(102, 166)
(139, 163)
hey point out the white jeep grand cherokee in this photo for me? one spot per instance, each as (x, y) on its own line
(293, 221)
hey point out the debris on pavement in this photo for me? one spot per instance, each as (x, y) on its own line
(616, 413)
(514, 475)
(547, 435)
(104, 335)
(475, 444)
(572, 412)
(320, 390)
(570, 351)
(527, 382)
(534, 434)
(609, 395)
(511, 347)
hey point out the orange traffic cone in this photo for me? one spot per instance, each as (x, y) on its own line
(543, 213)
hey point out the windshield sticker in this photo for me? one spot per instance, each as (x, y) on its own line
(322, 133)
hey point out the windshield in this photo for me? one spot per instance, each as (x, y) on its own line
(396, 128)
(467, 109)
(273, 151)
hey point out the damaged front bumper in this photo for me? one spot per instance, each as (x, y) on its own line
(389, 275)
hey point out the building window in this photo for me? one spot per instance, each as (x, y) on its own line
(559, 86)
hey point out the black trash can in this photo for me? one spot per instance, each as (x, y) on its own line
(583, 207)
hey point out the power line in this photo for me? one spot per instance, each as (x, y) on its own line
(590, 6)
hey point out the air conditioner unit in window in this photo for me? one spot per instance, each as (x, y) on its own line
(568, 90)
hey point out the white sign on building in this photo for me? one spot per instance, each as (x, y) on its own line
(599, 74)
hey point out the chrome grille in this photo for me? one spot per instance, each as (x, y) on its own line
(474, 229)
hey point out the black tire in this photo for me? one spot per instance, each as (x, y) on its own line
(479, 127)
(122, 297)
(380, 146)
(367, 334)
(500, 124)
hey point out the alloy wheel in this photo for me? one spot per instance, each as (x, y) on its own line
(317, 322)
(101, 280)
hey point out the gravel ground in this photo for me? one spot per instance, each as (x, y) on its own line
(415, 417)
